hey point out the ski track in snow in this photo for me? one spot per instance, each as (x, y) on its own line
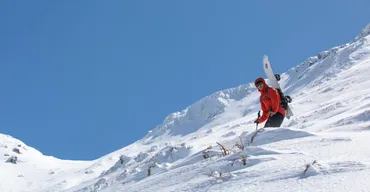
(324, 147)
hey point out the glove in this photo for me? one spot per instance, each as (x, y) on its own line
(272, 113)
(256, 121)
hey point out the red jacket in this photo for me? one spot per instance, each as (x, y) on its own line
(270, 101)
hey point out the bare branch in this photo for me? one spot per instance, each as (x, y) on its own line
(223, 149)
(241, 145)
(308, 166)
(151, 166)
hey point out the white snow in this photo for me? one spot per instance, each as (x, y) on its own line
(324, 147)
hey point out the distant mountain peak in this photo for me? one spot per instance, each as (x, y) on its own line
(365, 31)
(199, 113)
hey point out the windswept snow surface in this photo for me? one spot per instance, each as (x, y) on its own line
(324, 147)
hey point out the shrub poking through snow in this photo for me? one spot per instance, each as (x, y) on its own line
(150, 167)
(12, 159)
(208, 153)
(308, 166)
(220, 175)
(223, 149)
(240, 145)
(243, 161)
(16, 150)
(205, 152)
(123, 159)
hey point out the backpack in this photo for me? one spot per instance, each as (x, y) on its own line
(284, 99)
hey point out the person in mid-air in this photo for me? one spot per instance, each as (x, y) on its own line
(270, 101)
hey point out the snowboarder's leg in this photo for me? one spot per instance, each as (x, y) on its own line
(275, 120)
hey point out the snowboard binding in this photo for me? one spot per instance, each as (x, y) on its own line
(277, 76)
(288, 99)
(284, 102)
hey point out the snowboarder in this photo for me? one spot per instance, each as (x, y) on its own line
(270, 105)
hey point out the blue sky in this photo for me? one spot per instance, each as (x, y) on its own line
(80, 79)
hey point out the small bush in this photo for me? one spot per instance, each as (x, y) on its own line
(12, 159)
(16, 150)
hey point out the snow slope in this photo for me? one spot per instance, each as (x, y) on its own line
(324, 147)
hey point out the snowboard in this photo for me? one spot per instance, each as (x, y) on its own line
(273, 82)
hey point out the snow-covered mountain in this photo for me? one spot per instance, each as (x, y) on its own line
(324, 147)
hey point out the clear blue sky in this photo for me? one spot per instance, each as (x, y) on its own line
(80, 79)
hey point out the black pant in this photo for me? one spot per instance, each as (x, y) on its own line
(275, 120)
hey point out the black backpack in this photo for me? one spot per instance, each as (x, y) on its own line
(284, 99)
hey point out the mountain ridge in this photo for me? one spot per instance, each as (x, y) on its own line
(184, 136)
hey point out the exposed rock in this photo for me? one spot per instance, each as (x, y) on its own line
(12, 159)
(16, 150)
